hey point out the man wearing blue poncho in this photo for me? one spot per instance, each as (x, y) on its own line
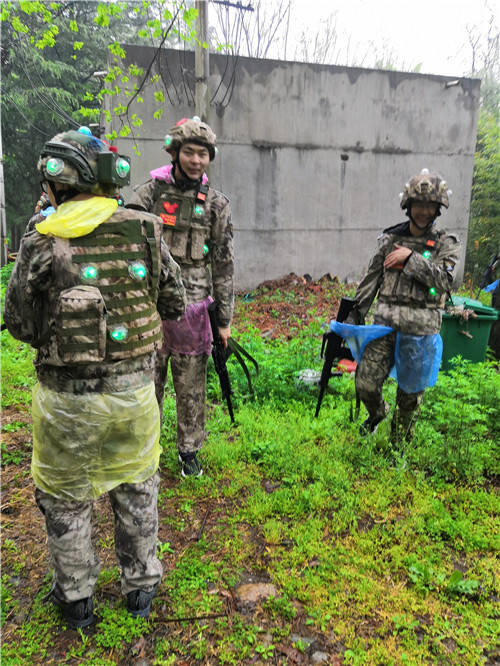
(411, 272)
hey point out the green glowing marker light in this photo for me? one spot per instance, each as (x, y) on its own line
(198, 210)
(122, 168)
(89, 273)
(432, 291)
(206, 249)
(168, 140)
(137, 270)
(119, 334)
(426, 254)
(54, 166)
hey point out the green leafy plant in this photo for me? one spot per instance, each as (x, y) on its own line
(354, 542)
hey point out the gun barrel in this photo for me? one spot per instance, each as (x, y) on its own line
(332, 346)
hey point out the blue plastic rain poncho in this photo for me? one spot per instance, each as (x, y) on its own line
(492, 286)
(416, 357)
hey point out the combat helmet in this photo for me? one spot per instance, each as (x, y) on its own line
(425, 186)
(84, 162)
(191, 130)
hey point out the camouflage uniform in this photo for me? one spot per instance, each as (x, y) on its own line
(410, 300)
(202, 245)
(80, 358)
(69, 523)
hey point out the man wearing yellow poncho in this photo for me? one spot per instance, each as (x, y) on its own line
(89, 289)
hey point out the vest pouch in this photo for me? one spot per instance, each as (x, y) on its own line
(178, 248)
(198, 235)
(80, 322)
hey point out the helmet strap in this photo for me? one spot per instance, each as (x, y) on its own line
(61, 196)
(188, 182)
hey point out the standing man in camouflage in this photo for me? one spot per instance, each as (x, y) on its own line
(197, 229)
(87, 291)
(412, 272)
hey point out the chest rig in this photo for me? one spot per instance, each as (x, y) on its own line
(426, 249)
(186, 218)
(397, 287)
(109, 312)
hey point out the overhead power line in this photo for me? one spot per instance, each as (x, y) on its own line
(237, 5)
(6, 95)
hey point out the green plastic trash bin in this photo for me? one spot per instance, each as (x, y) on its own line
(467, 338)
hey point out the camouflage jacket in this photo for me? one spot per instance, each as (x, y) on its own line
(410, 299)
(202, 244)
(47, 296)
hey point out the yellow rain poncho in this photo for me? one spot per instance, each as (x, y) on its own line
(86, 445)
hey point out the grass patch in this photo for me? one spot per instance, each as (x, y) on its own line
(378, 555)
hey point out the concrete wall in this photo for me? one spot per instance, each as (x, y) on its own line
(313, 157)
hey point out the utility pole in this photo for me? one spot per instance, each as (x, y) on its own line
(201, 63)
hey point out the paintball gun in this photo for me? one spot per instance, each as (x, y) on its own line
(220, 355)
(488, 274)
(333, 348)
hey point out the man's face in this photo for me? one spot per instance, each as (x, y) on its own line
(194, 159)
(423, 213)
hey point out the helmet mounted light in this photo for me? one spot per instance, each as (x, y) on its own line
(55, 166)
(113, 168)
(85, 130)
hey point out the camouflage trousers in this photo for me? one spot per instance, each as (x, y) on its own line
(69, 531)
(189, 377)
(371, 373)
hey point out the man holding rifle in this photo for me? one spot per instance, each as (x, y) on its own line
(411, 272)
(198, 231)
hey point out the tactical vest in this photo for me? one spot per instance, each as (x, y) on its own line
(187, 222)
(102, 299)
(397, 287)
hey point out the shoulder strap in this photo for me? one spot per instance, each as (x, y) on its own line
(152, 242)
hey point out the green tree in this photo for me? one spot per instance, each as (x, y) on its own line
(484, 236)
(50, 52)
(41, 93)
(484, 228)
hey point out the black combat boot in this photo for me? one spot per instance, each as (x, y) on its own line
(139, 602)
(78, 614)
(191, 466)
